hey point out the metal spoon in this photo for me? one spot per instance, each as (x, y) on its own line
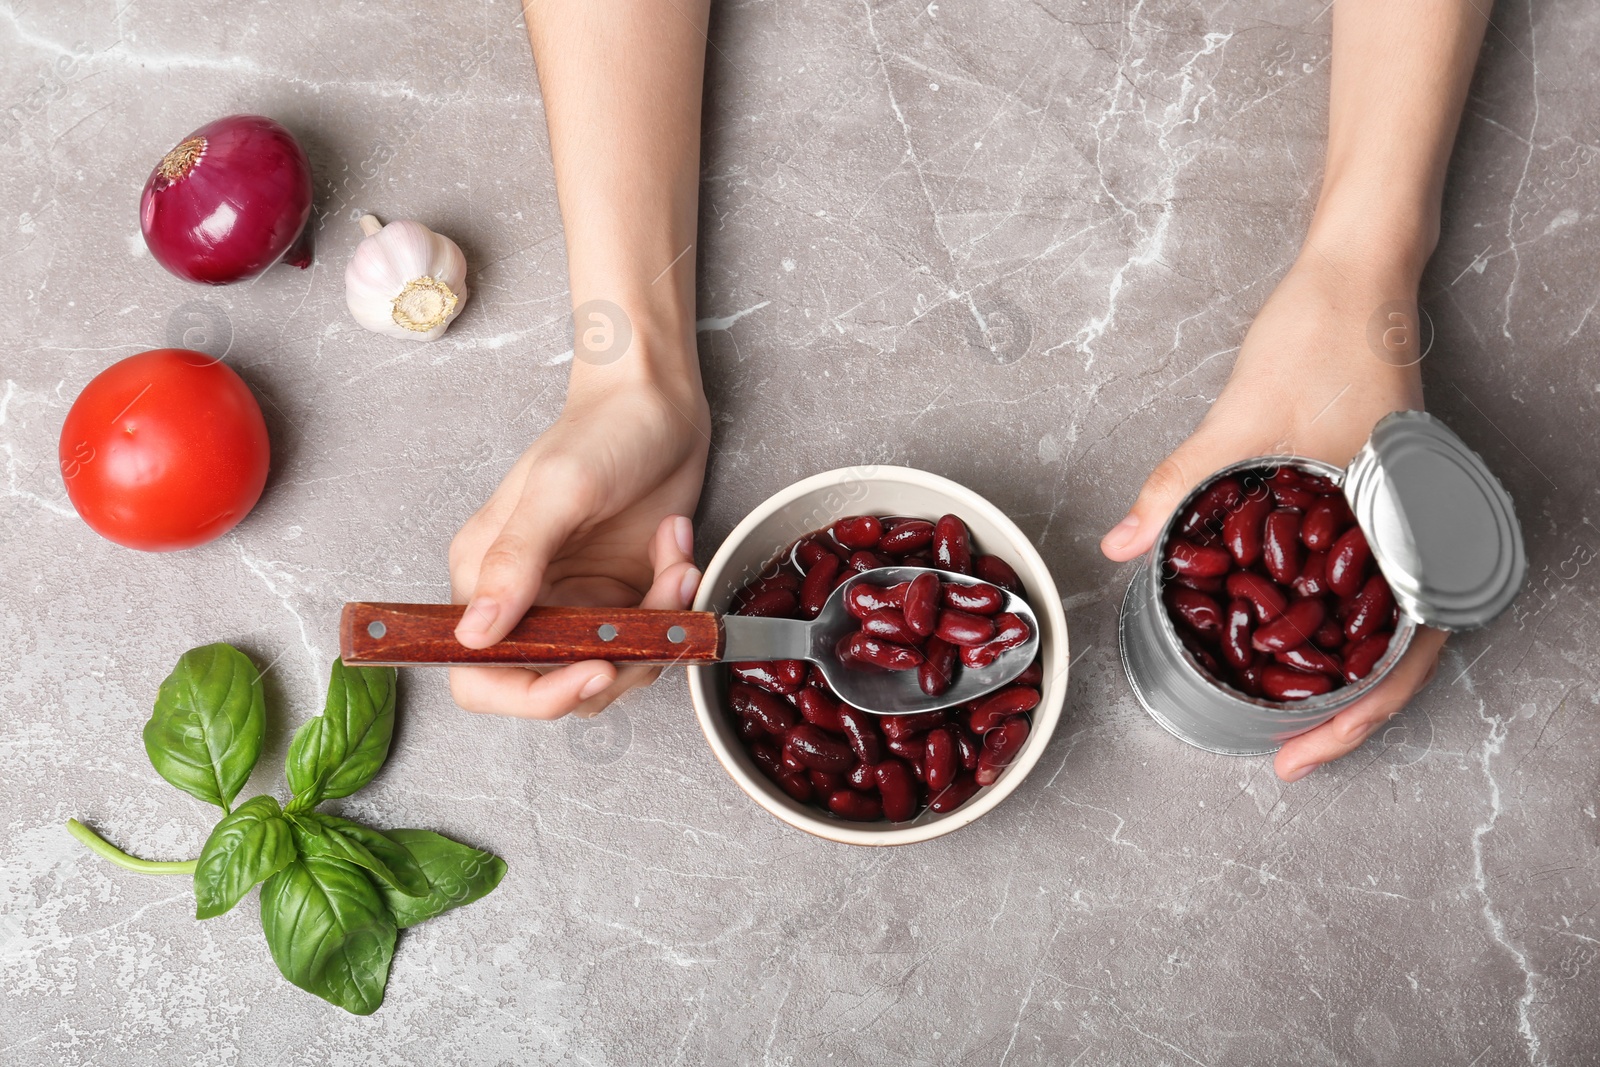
(424, 635)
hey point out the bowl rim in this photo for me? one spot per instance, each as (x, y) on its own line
(1035, 572)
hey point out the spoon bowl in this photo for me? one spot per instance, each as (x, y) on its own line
(881, 692)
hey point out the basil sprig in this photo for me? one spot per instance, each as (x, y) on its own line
(333, 892)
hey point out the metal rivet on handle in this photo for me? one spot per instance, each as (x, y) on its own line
(607, 632)
(377, 628)
(677, 635)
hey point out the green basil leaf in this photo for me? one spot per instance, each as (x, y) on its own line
(340, 750)
(329, 931)
(457, 874)
(209, 720)
(317, 834)
(245, 848)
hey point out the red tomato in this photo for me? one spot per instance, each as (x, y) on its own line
(164, 450)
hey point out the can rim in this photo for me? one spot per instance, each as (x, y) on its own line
(1404, 631)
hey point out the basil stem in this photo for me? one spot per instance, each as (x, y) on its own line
(106, 850)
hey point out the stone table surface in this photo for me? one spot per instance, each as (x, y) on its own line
(1112, 189)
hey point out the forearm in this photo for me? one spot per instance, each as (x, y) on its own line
(621, 81)
(1401, 69)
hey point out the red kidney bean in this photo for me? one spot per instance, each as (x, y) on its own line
(1289, 489)
(996, 708)
(857, 807)
(1201, 654)
(907, 725)
(889, 624)
(817, 750)
(1347, 562)
(775, 676)
(1285, 683)
(1032, 675)
(1266, 598)
(861, 731)
(980, 656)
(775, 715)
(997, 571)
(1324, 522)
(819, 582)
(1312, 579)
(826, 781)
(1199, 612)
(864, 561)
(960, 628)
(1197, 561)
(1248, 679)
(1000, 748)
(863, 648)
(938, 668)
(1281, 551)
(791, 763)
(1360, 658)
(952, 545)
(797, 786)
(863, 598)
(968, 747)
(809, 550)
(1211, 509)
(1010, 631)
(908, 746)
(819, 709)
(921, 605)
(1318, 484)
(1241, 530)
(771, 604)
(941, 758)
(858, 531)
(1291, 629)
(750, 729)
(955, 796)
(1311, 658)
(863, 777)
(973, 599)
(1371, 609)
(1203, 585)
(1236, 647)
(897, 784)
(906, 537)
(767, 758)
(1329, 636)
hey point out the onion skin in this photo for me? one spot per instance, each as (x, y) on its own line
(229, 201)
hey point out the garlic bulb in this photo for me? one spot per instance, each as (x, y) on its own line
(405, 280)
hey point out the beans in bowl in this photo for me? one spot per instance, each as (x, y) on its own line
(855, 764)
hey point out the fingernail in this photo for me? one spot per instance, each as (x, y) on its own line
(1300, 772)
(593, 687)
(686, 591)
(479, 616)
(683, 530)
(1123, 532)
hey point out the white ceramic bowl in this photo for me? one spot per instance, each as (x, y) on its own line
(814, 503)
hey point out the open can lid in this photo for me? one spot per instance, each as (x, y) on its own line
(1440, 524)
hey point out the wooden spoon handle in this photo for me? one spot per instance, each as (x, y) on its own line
(424, 634)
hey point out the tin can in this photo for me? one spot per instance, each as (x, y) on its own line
(1443, 532)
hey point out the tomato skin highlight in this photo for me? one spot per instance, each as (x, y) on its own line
(164, 450)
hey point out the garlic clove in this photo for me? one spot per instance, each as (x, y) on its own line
(405, 281)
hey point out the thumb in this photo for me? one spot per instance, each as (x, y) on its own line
(1168, 484)
(512, 569)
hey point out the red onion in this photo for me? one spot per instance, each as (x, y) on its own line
(229, 201)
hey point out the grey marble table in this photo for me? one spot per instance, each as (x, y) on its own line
(1112, 189)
